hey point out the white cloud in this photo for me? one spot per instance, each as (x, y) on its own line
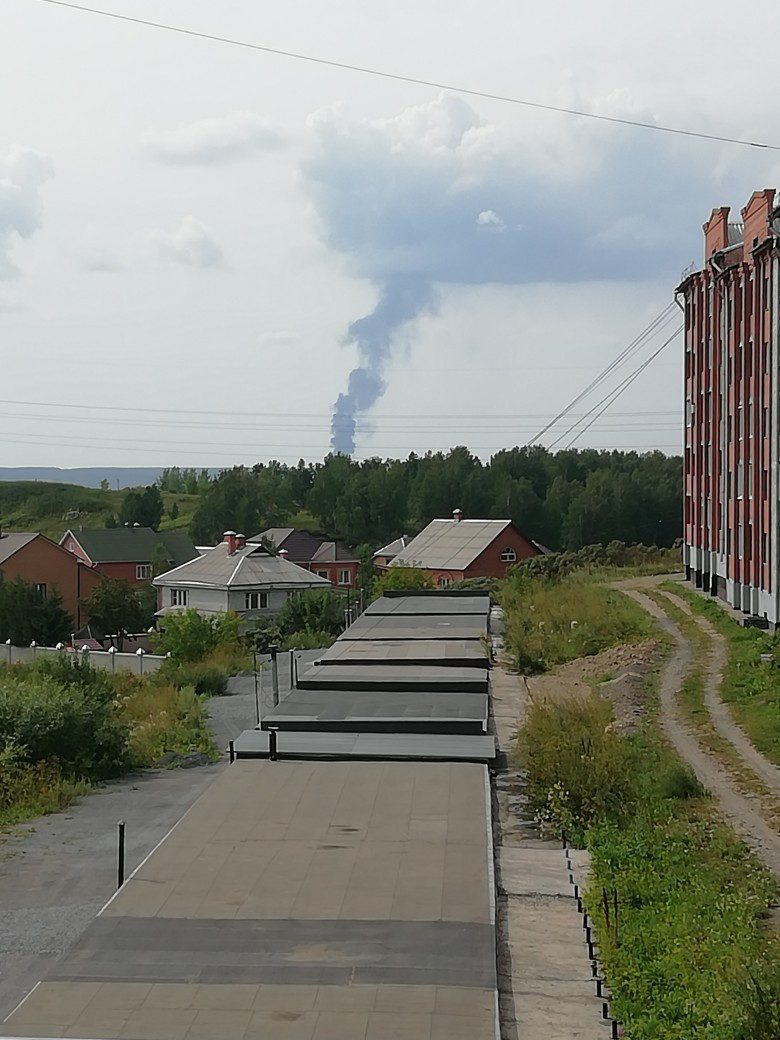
(101, 261)
(278, 338)
(489, 218)
(22, 171)
(215, 140)
(190, 244)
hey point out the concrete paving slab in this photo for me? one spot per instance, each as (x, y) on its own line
(461, 653)
(395, 678)
(303, 744)
(444, 626)
(535, 871)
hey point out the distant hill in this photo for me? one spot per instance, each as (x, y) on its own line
(117, 476)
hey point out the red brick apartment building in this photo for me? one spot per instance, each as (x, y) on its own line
(732, 310)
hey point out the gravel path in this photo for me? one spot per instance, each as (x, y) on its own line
(737, 809)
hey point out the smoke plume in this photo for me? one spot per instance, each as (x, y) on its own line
(401, 298)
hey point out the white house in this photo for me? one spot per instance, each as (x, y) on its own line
(235, 575)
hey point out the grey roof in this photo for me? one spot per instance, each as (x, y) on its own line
(393, 548)
(735, 233)
(447, 747)
(12, 541)
(450, 544)
(466, 653)
(395, 678)
(422, 606)
(277, 535)
(378, 627)
(252, 567)
(334, 552)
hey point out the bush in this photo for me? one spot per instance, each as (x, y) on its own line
(400, 578)
(191, 636)
(206, 679)
(29, 789)
(642, 559)
(160, 718)
(73, 722)
(308, 640)
(316, 610)
(579, 769)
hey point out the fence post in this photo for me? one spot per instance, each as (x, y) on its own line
(140, 655)
(257, 692)
(85, 654)
(34, 648)
(120, 854)
(112, 653)
(8, 649)
(275, 673)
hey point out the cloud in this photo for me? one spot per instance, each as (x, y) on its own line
(22, 172)
(190, 244)
(278, 338)
(215, 140)
(100, 261)
(489, 218)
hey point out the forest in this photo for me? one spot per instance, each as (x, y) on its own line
(564, 500)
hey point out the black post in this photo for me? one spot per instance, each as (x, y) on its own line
(120, 856)
(257, 695)
(232, 752)
(275, 673)
(295, 662)
(272, 744)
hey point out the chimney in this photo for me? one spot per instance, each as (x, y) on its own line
(240, 541)
(457, 515)
(230, 541)
(283, 553)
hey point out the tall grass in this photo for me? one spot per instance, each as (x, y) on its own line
(676, 899)
(549, 622)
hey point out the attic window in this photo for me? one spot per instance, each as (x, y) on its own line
(508, 555)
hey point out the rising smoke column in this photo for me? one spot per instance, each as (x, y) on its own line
(401, 298)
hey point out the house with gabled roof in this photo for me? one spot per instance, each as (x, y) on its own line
(129, 552)
(328, 559)
(451, 550)
(244, 577)
(38, 561)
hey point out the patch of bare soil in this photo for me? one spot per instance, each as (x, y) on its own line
(619, 673)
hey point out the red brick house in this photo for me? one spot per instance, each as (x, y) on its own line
(38, 561)
(327, 559)
(452, 550)
(129, 552)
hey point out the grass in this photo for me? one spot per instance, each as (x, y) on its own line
(750, 686)
(688, 954)
(550, 622)
(51, 508)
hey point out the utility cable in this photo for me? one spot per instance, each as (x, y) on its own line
(398, 77)
(654, 325)
(618, 391)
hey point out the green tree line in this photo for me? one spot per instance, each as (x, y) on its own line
(564, 500)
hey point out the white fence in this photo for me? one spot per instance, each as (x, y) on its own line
(111, 660)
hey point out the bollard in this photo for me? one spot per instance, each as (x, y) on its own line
(272, 745)
(275, 673)
(615, 1031)
(232, 752)
(594, 968)
(292, 671)
(257, 692)
(605, 1011)
(120, 857)
(599, 988)
(576, 890)
(296, 671)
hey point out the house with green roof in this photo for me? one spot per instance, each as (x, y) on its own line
(131, 553)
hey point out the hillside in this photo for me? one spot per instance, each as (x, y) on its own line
(53, 507)
(88, 476)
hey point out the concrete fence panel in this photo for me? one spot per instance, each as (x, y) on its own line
(113, 661)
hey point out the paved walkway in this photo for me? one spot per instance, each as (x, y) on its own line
(545, 986)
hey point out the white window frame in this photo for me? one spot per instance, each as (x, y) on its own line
(345, 577)
(323, 574)
(508, 555)
(179, 597)
(256, 601)
(444, 583)
(143, 571)
(40, 590)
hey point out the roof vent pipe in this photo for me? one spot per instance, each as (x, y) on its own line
(457, 515)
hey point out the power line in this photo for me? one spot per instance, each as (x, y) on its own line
(398, 77)
(619, 390)
(657, 322)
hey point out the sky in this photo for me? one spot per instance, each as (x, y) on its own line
(205, 249)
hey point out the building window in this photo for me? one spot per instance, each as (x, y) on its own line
(256, 601)
(345, 578)
(40, 590)
(143, 571)
(740, 479)
(71, 546)
(445, 583)
(323, 574)
(179, 597)
(508, 555)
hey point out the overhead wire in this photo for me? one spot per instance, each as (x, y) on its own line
(400, 78)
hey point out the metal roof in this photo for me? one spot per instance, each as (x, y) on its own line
(393, 548)
(735, 233)
(252, 567)
(450, 544)
(12, 541)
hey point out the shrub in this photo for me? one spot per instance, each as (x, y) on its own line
(308, 640)
(30, 789)
(191, 636)
(72, 722)
(206, 679)
(316, 610)
(400, 578)
(163, 717)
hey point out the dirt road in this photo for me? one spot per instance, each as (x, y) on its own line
(740, 811)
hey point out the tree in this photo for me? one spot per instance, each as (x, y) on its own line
(403, 578)
(173, 512)
(144, 508)
(189, 636)
(114, 607)
(26, 616)
(104, 485)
